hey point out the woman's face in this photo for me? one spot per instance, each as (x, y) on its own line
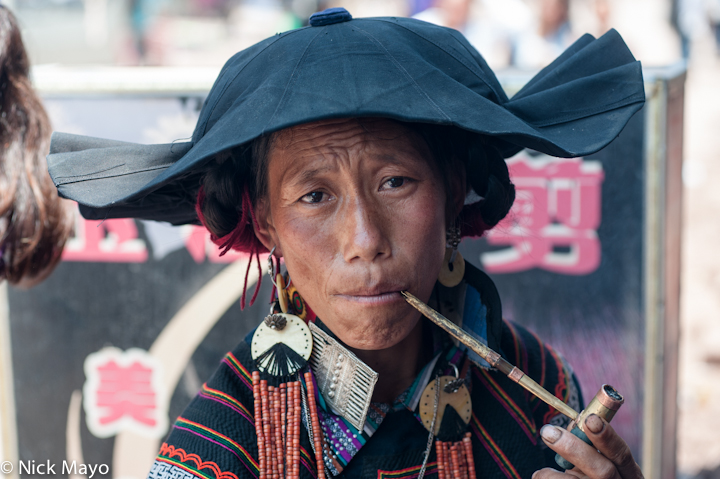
(357, 210)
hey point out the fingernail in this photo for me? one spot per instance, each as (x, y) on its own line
(534, 474)
(594, 424)
(550, 433)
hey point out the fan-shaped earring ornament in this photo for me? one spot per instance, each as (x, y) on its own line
(454, 408)
(281, 345)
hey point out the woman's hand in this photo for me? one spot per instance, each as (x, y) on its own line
(613, 461)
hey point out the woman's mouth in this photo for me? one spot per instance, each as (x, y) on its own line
(373, 296)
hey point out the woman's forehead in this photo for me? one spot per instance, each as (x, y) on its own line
(344, 138)
(345, 132)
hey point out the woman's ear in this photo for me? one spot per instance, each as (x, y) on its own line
(264, 229)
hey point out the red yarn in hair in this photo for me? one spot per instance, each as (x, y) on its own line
(242, 239)
(471, 221)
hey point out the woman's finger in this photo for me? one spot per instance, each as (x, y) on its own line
(585, 457)
(612, 446)
(548, 473)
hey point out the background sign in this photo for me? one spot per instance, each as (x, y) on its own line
(109, 350)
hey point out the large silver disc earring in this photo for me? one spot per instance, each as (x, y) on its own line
(453, 266)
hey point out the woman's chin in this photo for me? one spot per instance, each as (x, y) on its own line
(381, 330)
(363, 343)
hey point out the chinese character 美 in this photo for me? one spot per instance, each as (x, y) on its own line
(123, 392)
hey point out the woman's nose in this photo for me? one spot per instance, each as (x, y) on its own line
(363, 231)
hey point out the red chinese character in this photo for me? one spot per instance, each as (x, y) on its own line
(121, 393)
(126, 391)
(553, 223)
(112, 241)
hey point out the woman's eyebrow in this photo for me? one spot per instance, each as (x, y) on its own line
(295, 177)
(306, 175)
(406, 156)
(399, 158)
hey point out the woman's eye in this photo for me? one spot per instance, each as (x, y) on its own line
(313, 197)
(395, 182)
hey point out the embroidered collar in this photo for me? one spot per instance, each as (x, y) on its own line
(475, 306)
(466, 305)
(343, 441)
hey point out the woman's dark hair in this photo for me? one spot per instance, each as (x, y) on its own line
(229, 189)
(34, 222)
(487, 175)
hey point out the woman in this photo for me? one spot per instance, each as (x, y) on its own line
(34, 222)
(359, 152)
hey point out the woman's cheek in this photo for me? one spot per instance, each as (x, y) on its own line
(308, 248)
(424, 224)
(304, 233)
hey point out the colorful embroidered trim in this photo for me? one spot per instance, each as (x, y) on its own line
(521, 356)
(562, 389)
(238, 369)
(188, 462)
(221, 440)
(164, 470)
(408, 473)
(308, 462)
(541, 348)
(493, 449)
(227, 400)
(527, 424)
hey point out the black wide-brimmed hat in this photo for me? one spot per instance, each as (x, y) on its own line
(341, 67)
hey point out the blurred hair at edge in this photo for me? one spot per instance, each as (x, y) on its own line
(34, 221)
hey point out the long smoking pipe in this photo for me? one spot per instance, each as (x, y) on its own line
(493, 358)
(605, 403)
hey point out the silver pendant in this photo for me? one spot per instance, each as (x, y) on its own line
(345, 382)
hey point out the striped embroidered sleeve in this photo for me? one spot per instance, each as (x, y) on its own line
(550, 369)
(214, 438)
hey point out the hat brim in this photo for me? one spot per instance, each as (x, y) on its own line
(394, 68)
